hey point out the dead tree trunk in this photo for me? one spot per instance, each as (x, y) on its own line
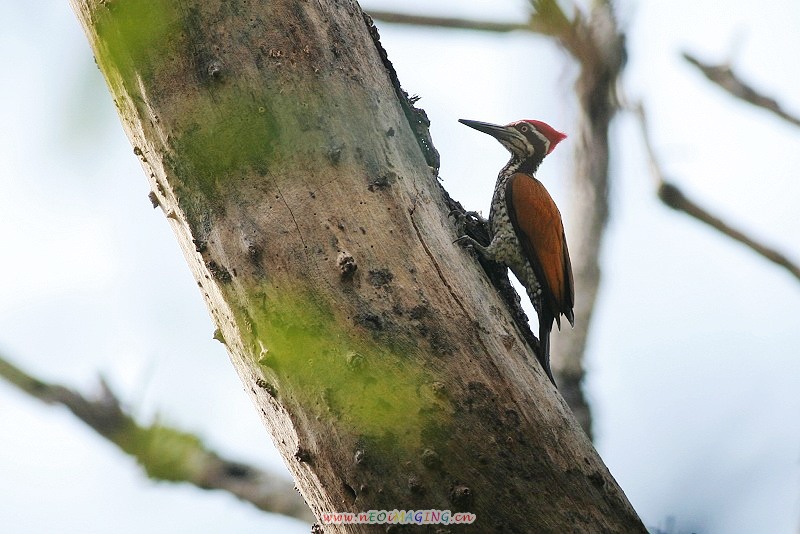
(385, 367)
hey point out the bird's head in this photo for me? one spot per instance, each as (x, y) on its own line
(529, 141)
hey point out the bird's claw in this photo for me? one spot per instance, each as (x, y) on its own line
(458, 214)
(465, 241)
(474, 215)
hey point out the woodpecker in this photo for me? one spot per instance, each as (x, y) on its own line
(527, 232)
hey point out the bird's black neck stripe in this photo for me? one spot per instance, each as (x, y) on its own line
(528, 165)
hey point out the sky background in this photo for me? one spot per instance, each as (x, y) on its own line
(693, 368)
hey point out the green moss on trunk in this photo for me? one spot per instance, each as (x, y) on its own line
(326, 366)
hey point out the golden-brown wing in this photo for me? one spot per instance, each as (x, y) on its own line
(537, 221)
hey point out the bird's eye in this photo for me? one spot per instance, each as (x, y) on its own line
(523, 129)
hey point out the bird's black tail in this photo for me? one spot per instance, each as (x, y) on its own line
(543, 355)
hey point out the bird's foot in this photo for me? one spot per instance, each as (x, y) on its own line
(470, 244)
(461, 215)
(475, 215)
(465, 241)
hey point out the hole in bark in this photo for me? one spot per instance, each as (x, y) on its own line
(349, 489)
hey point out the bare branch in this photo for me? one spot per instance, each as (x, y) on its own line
(165, 453)
(447, 22)
(594, 40)
(673, 197)
(726, 78)
(548, 18)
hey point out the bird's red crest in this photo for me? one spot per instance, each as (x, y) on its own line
(552, 135)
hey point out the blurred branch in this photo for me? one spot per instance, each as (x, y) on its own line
(446, 22)
(673, 197)
(726, 78)
(165, 453)
(597, 44)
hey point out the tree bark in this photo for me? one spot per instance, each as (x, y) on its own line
(385, 367)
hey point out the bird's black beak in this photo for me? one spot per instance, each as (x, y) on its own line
(495, 130)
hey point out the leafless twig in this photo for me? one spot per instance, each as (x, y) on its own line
(165, 453)
(673, 197)
(726, 78)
